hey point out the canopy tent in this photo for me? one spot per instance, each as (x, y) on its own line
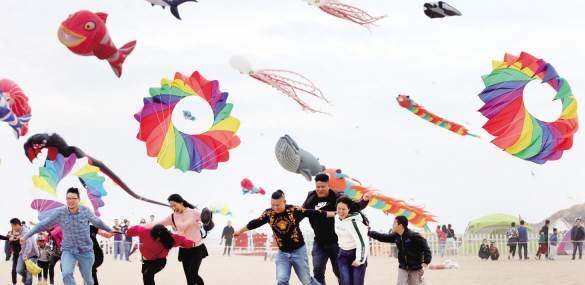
(492, 224)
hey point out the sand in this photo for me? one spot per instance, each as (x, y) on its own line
(218, 269)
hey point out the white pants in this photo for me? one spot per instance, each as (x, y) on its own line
(552, 252)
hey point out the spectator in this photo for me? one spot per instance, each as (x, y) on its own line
(522, 240)
(494, 253)
(484, 250)
(577, 236)
(442, 238)
(512, 235)
(451, 241)
(553, 240)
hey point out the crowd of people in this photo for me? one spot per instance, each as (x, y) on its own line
(68, 234)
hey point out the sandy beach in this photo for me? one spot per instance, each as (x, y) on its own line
(217, 269)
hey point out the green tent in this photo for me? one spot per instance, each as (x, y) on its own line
(492, 224)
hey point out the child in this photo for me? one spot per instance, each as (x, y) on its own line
(494, 253)
(484, 250)
(554, 238)
(43, 260)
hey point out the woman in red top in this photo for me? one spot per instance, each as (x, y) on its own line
(156, 243)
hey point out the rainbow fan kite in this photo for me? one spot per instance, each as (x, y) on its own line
(94, 183)
(186, 123)
(353, 189)
(516, 131)
(53, 172)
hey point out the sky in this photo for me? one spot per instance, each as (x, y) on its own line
(439, 62)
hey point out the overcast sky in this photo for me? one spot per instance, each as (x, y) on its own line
(439, 62)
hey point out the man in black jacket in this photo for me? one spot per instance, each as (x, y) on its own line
(414, 254)
(325, 245)
(577, 237)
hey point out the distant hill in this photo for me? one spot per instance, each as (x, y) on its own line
(569, 215)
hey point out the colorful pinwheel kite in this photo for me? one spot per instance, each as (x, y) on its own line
(14, 108)
(53, 172)
(405, 102)
(352, 188)
(199, 145)
(94, 183)
(518, 132)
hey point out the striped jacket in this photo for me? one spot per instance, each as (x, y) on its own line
(353, 234)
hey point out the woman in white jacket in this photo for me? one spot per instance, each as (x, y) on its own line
(354, 244)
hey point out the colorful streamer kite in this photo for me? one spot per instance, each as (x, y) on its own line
(290, 83)
(14, 107)
(352, 188)
(249, 188)
(57, 147)
(345, 11)
(94, 183)
(44, 206)
(405, 102)
(175, 148)
(517, 131)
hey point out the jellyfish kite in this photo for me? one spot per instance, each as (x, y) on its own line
(290, 83)
(345, 12)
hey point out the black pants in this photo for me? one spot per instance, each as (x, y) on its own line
(52, 262)
(151, 268)
(322, 253)
(44, 265)
(99, 259)
(512, 246)
(523, 245)
(191, 259)
(228, 247)
(577, 245)
(14, 263)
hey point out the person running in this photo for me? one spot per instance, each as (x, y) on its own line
(351, 228)
(227, 235)
(186, 220)
(577, 237)
(325, 245)
(414, 254)
(512, 235)
(28, 251)
(522, 240)
(97, 251)
(76, 247)
(284, 220)
(54, 243)
(43, 261)
(12, 239)
(156, 243)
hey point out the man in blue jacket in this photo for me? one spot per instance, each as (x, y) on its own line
(522, 240)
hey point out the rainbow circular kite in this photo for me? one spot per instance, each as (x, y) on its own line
(516, 130)
(186, 123)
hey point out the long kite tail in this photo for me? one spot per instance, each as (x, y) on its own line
(104, 169)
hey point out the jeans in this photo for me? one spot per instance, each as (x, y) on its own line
(320, 255)
(442, 245)
(68, 262)
(299, 260)
(349, 274)
(577, 245)
(118, 249)
(127, 249)
(523, 245)
(150, 268)
(21, 269)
